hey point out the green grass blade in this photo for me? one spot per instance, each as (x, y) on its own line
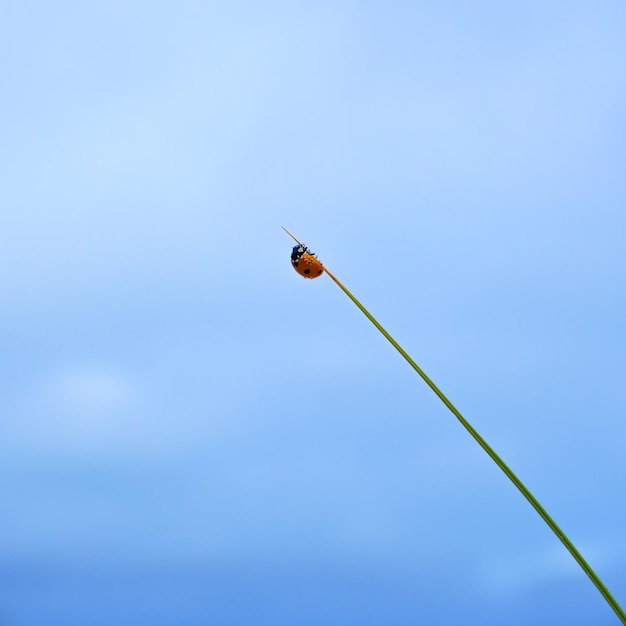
(496, 459)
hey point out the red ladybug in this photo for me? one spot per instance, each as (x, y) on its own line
(305, 262)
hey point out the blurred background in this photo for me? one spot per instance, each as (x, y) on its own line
(190, 433)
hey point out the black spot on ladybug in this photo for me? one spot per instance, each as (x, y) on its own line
(319, 272)
(307, 271)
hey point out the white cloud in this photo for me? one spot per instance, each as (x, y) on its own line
(514, 573)
(93, 394)
(73, 407)
(97, 409)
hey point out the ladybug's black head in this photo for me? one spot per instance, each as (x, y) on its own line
(298, 251)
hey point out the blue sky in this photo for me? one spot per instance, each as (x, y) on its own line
(189, 432)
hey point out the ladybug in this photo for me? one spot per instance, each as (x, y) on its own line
(305, 262)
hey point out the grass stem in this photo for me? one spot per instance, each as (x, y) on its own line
(495, 458)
